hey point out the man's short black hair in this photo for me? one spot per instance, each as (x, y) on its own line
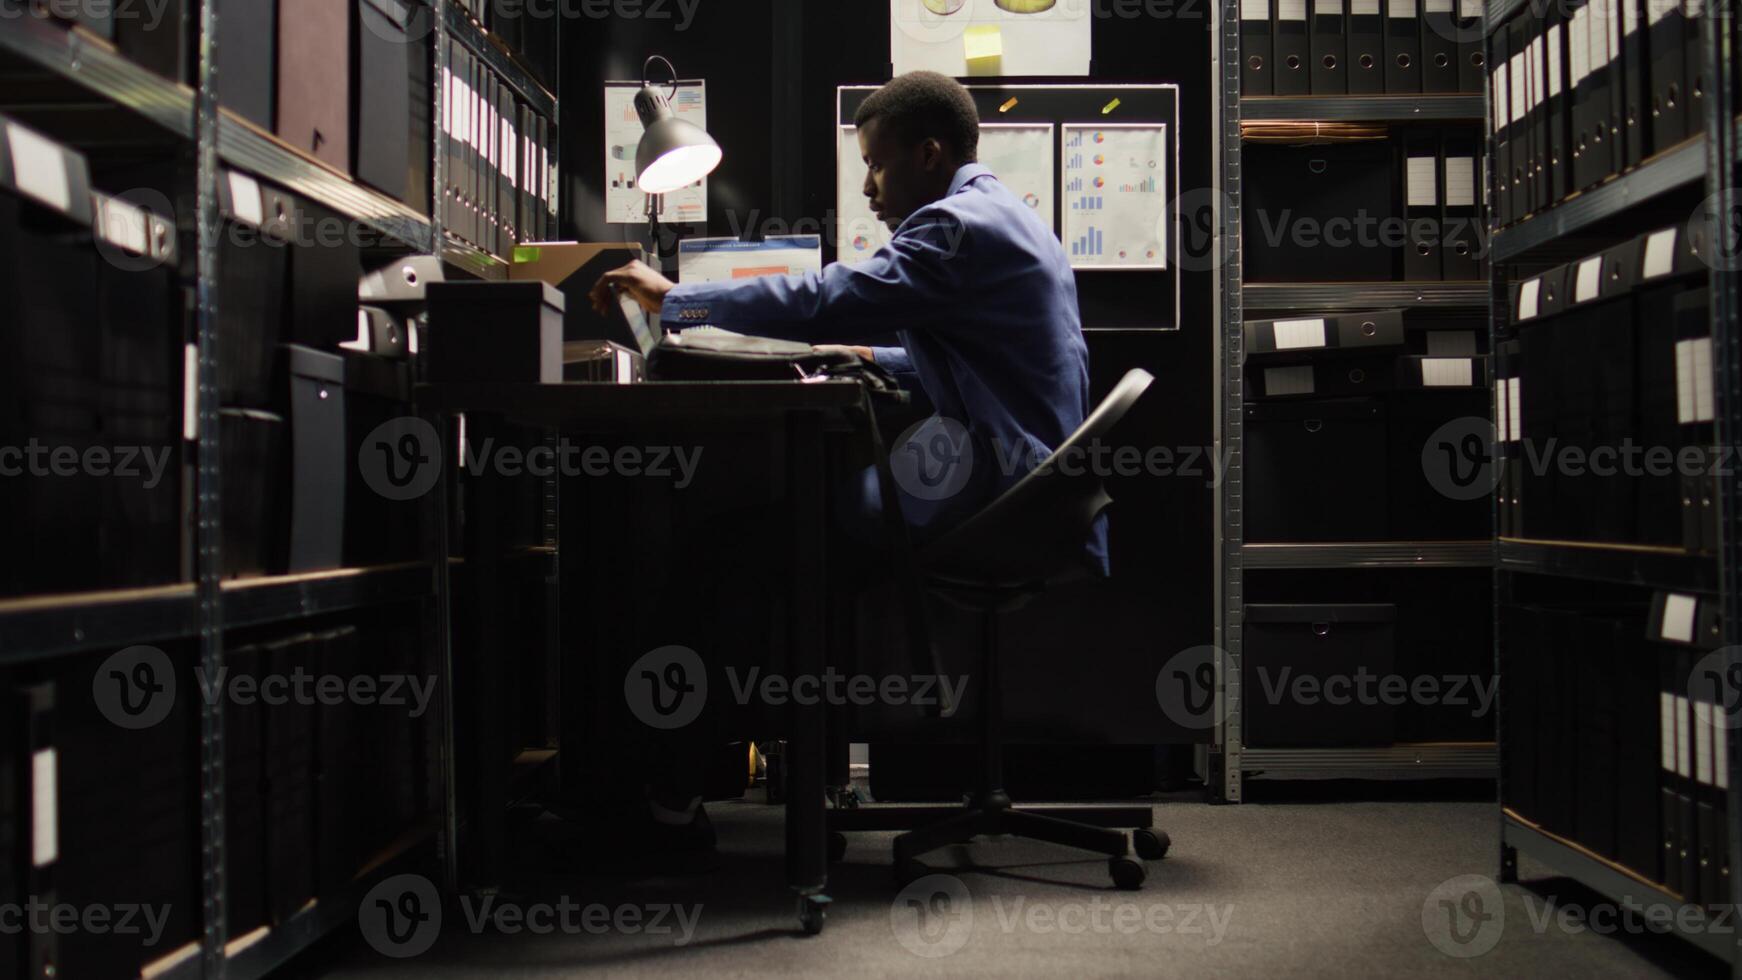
(922, 104)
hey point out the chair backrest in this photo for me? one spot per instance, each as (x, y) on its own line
(1035, 531)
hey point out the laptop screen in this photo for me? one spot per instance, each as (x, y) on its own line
(645, 330)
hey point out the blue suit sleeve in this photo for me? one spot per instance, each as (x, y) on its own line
(895, 360)
(918, 274)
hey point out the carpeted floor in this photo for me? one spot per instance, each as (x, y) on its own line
(1293, 888)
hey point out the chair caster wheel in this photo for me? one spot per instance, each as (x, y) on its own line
(909, 870)
(837, 847)
(1151, 845)
(1127, 873)
(813, 912)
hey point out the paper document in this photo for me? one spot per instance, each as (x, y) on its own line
(624, 202)
(1114, 193)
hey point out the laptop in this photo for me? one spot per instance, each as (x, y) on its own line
(698, 343)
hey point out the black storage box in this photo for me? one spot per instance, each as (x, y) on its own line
(393, 110)
(1344, 196)
(1317, 471)
(316, 409)
(495, 331)
(251, 448)
(1292, 651)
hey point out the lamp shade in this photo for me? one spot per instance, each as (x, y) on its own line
(673, 152)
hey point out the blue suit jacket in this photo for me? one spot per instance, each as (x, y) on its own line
(984, 301)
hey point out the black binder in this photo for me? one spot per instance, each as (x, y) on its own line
(1329, 49)
(1694, 413)
(1255, 61)
(1500, 102)
(247, 65)
(1559, 161)
(1665, 37)
(1292, 53)
(1539, 111)
(1523, 141)
(1694, 61)
(1616, 75)
(1461, 248)
(1421, 207)
(1402, 47)
(492, 144)
(1366, 48)
(1588, 147)
(505, 189)
(1439, 46)
(390, 120)
(1472, 65)
(1636, 92)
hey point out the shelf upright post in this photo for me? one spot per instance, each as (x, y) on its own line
(207, 537)
(1723, 176)
(1229, 392)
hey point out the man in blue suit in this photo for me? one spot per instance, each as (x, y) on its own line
(984, 302)
(975, 285)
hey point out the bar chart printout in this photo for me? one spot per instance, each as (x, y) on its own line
(1113, 182)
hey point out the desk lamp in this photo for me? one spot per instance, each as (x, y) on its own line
(673, 152)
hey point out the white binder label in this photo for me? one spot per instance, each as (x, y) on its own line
(1629, 17)
(1554, 61)
(1666, 730)
(1401, 8)
(1693, 381)
(1280, 381)
(1720, 749)
(1364, 8)
(1590, 279)
(1659, 253)
(1655, 10)
(1451, 343)
(1693, 9)
(1598, 24)
(1516, 422)
(1291, 9)
(245, 198)
(1299, 334)
(1578, 47)
(449, 100)
(1254, 9)
(1470, 9)
(1498, 99)
(1423, 181)
(1612, 30)
(45, 810)
(1327, 8)
(125, 225)
(1447, 372)
(1436, 6)
(463, 111)
(1502, 410)
(1683, 760)
(1520, 85)
(190, 392)
(1460, 182)
(39, 168)
(1678, 618)
(1528, 295)
(1703, 744)
(1536, 73)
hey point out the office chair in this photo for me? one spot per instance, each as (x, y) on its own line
(1027, 541)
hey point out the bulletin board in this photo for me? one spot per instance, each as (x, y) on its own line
(1107, 184)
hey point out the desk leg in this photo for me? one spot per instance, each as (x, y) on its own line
(806, 757)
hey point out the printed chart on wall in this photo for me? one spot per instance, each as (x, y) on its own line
(624, 202)
(858, 233)
(1114, 195)
(1020, 156)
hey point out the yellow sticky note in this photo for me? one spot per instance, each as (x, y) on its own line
(984, 47)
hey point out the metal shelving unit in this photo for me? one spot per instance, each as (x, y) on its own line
(1709, 159)
(49, 67)
(1362, 108)
(96, 70)
(1330, 297)
(1229, 759)
(1371, 554)
(1675, 168)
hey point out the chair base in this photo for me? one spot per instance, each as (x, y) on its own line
(1089, 828)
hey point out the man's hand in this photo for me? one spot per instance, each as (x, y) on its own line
(827, 349)
(641, 281)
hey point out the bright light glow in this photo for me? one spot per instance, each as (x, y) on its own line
(679, 167)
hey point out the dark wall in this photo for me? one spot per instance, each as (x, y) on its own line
(770, 111)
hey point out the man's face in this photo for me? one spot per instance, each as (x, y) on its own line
(901, 179)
